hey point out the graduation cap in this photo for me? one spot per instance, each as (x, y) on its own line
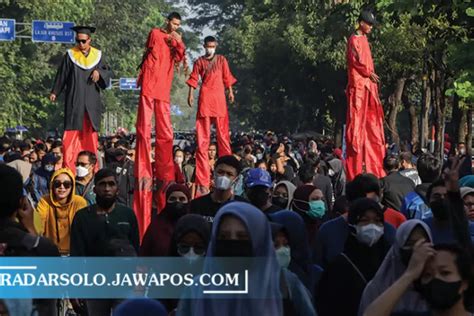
(368, 17)
(84, 29)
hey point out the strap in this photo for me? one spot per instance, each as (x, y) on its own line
(209, 67)
(355, 268)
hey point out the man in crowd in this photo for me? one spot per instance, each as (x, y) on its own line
(408, 169)
(365, 135)
(83, 73)
(214, 71)
(119, 161)
(258, 184)
(227, 170)
(395, 186)
(164, 50)
(85, 166)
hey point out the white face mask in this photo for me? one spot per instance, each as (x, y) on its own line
(191, 256)
(283, 255)
(81, 171)
(259, 156)
(222, 183)
(210, 51)
(462, 151)
(179, 160)
(49, 168)
(369, 234)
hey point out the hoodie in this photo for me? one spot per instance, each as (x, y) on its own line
(56, 219)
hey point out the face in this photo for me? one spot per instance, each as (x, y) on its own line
(33, 157)
(40, 154)
(62, 186)
(316, 195)
(442, 266)
(280, 240)
(187, 156)
(83, 161)
(212, 152)
(173, 25)
(438, 193)
(273, 168)
(57, 152)
(262, 166)
(365, 27)
(232, 228)
(370, 217)
(83, 42)
(191, 239)
(210, 45)
(178, 156)
(177, 196)
(461, 148)
(280, 191)
(226, 170)
(106, 187)
(469, 206)
(417, 234)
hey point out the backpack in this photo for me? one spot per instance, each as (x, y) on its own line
(414, 206)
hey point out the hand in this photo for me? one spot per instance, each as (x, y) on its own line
(176, 36)
(451, 175)
(25, 215)
(190, 100)
(373, 76)
(52, 97)
(95, 76)
(231, 97)
(422, 252)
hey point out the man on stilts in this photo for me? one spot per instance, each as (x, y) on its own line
(365, 134)
(164, 50)
(83, 73)
(212, 108)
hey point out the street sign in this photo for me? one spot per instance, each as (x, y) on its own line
(7, 30)
(128, 84)
(52, 32)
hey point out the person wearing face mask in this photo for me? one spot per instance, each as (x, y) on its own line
(118, 160)
(42, 176)
(393, 267)
(443, 277)
(241, 230)
(259, 185)
(348, 274)
(85, 165)
(157, 238)
(226, 173)
(283, 194)
(216, 77)
(308, 202)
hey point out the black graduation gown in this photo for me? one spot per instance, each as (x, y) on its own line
(82, 94)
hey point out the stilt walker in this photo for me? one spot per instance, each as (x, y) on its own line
(83, 73)
(365, 139)
(164, 50)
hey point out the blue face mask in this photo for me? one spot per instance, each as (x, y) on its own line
(317, 209)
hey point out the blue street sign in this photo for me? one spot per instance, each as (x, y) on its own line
(52, 32)
(128, 84)
(7, 29)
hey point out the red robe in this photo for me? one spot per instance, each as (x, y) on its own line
(365, 139)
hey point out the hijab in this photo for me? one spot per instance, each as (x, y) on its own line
(189, 223)
(390, 271)
(264, 279)
(290, 188)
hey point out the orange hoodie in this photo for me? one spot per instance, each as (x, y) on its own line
(56, 219)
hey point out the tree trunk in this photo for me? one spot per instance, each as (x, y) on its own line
(414, 127)
(395, 101)
(425, 112)
(457, 121)
(469, 131)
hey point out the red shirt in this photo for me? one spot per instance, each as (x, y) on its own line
(216, 77)
(157, 70)
(360, 64)
(393, 217)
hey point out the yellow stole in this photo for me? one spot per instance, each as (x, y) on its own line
(79, 59)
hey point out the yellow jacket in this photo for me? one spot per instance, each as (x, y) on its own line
(56, 219)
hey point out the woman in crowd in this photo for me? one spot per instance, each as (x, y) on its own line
(57, 209)
(42, 176)
(241, 230)
(283, 194)
(443, 275)
(393, 267)
(157, 238)
(348, 274)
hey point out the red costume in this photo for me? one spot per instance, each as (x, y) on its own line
(155, 79)
(216, 77)
(365, 135)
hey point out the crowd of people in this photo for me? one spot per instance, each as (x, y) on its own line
(396, 245)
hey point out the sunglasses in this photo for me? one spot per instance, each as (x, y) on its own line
(184, 249)
(81, 41)
(66, 184)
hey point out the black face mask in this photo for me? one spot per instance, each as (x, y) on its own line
(105, 202)
(177, 209)
(258, 196)
(233, 248)
(280, 201)
(440, 295)
(439, 209)
(405, 256)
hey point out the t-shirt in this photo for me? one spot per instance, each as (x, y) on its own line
(207, 208)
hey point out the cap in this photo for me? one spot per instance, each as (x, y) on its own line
(367, 17)
(84, 29)
(466, 191)
(257, 176)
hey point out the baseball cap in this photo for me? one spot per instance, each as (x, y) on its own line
(465, 191)
(257, 176)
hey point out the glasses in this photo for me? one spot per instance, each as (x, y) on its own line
(66, 184)
(184, 249)
(81, 41)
